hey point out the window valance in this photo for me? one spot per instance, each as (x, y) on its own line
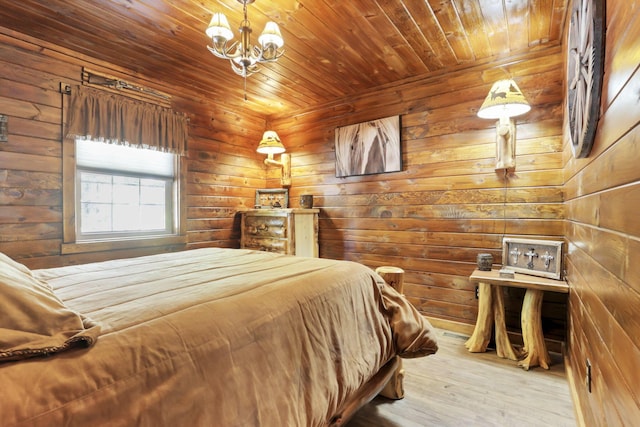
(116, 119)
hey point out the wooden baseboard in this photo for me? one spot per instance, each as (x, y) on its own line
(575, 397)
(466, 329)
(450, 325)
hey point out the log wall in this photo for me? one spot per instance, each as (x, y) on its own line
(448, 204)
(223, 168)
(603, 231)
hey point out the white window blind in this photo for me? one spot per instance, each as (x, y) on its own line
(99, 155)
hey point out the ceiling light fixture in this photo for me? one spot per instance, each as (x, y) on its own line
(244, 57)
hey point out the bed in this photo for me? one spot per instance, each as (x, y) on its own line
(205, 337)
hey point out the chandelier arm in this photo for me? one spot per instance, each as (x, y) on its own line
(244, 71)
(256, 53)
(275, 58)
(225, 52)
(259, 51)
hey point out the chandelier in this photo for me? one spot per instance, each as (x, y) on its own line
(244, 57)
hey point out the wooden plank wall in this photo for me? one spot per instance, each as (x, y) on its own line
(448, 204)
(432, 219)
(223, 168)
(603, 231)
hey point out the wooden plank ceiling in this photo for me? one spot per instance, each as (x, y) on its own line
(334, 48)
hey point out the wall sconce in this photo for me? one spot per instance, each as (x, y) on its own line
(271, 145)
(505, 100)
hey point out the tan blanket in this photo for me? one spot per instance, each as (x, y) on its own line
(214, 337)
(33, 320)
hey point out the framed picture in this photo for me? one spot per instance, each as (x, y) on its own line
(368, 148)
(272, 198)
(536, 257)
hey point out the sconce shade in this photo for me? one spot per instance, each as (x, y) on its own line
(504, 100)
(270, 144)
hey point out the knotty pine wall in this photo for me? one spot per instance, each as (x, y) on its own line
(223, 168)
(448, 204)
(603, 231)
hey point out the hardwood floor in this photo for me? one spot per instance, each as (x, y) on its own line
(458, 388)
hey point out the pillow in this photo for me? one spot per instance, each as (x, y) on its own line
(33, 320)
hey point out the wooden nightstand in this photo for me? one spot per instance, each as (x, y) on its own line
(287, 231)
(491, 313)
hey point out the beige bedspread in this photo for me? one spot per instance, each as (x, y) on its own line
(214, 337)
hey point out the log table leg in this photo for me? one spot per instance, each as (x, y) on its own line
(504, 348)
(535, 349)
(491, 307)
(394, 277)
(490, 313)
(479, 340)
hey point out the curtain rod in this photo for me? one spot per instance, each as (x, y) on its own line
(94, 79)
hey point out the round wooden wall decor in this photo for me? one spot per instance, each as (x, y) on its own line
(585, 67)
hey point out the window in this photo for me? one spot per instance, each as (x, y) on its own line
(116, 197)
(123, 191)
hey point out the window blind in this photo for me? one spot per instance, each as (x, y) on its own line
(122, 158)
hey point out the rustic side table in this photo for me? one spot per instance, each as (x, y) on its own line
(491, 311)
(287, 231)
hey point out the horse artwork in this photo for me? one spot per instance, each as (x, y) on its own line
(368, 148)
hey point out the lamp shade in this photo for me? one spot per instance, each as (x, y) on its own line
(504, 100)
(219, 28)
(270, 144)
(271, 35)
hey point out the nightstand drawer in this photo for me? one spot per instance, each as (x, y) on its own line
(267, 245)
(266, 226)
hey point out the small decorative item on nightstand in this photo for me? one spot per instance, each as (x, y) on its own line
(536, 257)
(485, 262)
(272, 198)
(306, 201)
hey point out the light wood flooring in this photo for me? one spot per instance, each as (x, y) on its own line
(458, 388)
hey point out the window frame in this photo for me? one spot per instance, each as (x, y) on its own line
(70, 242)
